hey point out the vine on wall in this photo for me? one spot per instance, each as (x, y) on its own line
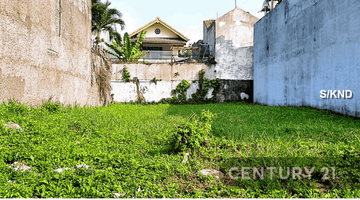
(198, 97)
(126, 75)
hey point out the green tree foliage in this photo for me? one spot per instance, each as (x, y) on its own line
(103, 18)
(127, 52)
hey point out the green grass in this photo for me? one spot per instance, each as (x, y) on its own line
(128, 145)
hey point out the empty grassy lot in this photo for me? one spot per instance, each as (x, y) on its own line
(127, 147)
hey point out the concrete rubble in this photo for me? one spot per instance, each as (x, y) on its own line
(21, 166)
(186, 158)
(13, 126)
(212, 172)
(116, 195)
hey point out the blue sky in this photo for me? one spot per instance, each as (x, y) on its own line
(185, 16)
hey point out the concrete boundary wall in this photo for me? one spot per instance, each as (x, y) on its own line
(303, 47)
(230, 90)
(46, 53)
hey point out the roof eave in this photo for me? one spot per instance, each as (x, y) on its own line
(158, 20)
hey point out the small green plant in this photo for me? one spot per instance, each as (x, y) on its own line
(52, 106)
(193, 134)
(126, 75)
(154, 80)
(201, 73)
(16, 107)
(177, 74)
(139, 101)
(181, 89)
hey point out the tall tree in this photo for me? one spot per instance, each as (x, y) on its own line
(103, 18)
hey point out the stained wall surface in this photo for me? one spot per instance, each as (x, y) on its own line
(233, 46)
(45, 51)
(303, 47)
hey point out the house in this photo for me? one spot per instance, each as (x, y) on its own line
(160, 39)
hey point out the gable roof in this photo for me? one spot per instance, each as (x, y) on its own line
(159, 21)
(239, 9)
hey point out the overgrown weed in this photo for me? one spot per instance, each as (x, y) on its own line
(132, 145)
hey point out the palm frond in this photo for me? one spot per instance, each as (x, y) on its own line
(127, 45)
(112, 53)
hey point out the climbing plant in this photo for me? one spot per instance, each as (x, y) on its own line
(199, 96)
(126, 75)
(181, 89)
(154, 80)
(204, 86)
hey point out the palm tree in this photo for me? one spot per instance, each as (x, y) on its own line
(103, 18)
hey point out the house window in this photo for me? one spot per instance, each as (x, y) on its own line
(157, 31)
(152, 48)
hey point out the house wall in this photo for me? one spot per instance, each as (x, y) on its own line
(28, 73)
(164, 32)
(127, 91)
(234, 53)
(303, 47)
(234, 41)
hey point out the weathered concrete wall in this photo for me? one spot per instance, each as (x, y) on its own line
(124, 92)
(233, 47)
(303, 47)
(234, 63)
(236, 26)
(164, 71)
(230, 90)
(29, 31)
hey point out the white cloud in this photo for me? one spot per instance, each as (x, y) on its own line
(258, 14)
(194, 33)
(130, 24)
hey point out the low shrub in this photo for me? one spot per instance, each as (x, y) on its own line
(194, 133)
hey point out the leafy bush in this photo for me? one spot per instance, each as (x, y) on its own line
(17, 107)
(193, 134)
(52, 106)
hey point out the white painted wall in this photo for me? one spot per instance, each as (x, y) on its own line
(126, 91)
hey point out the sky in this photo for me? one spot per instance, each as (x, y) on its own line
(186, 16)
